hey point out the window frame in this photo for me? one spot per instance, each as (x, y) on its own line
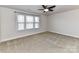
(28, 22)
(19, 22)
(36, 22)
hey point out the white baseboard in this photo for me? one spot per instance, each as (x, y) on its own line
(3, 40)
(65, 34)
(12, 38)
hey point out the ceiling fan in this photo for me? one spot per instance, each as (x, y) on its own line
(46, 8)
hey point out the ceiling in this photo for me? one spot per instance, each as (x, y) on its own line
(34, 8)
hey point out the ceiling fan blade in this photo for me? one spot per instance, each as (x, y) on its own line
(51, 7)
(50, 10)
(44, 6)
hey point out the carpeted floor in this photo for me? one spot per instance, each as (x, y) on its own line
(46, 42)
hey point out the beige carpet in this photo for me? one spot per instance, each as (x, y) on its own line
(44, 42)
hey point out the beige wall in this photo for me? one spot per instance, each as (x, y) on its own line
(8, 25)
(0, 25)
(66, 23)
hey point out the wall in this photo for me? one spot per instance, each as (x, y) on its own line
(0, 26)
(8, 26)
(66, 23)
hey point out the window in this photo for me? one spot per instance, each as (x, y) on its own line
(20, 22)
(36, 22)
(27, 22)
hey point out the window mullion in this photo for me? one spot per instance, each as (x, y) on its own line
(24, 22)
(33, 21)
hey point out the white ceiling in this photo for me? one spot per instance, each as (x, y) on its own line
(34, 8)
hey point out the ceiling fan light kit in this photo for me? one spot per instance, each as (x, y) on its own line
(46, 10)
